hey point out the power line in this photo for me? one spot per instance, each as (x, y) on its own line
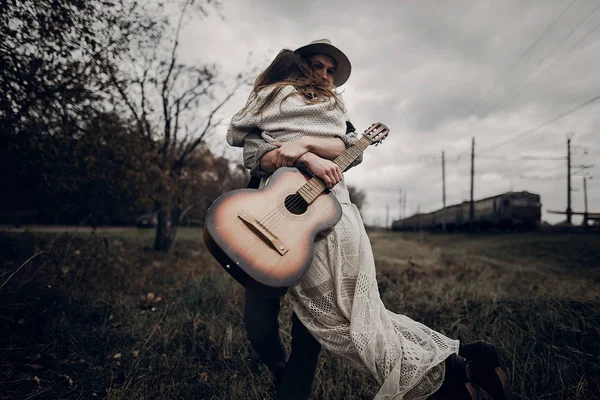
(505, 75)
(554, 145)
(542, 158)
(550, 66)
(491, 157)
(540, 126)
(542, 178)
(532, 76)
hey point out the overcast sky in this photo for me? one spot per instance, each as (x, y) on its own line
(439, 73)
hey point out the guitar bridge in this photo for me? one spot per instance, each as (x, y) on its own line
(264, 233)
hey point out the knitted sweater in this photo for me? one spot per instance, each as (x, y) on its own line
(285, 121)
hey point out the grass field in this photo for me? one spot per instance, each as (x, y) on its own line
(102, 316)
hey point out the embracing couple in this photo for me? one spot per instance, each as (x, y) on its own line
(295, 117)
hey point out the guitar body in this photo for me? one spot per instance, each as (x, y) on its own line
(265, 238)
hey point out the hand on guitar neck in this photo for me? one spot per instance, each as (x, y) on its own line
(324, 169)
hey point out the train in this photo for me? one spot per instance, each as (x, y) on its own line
(507, 211)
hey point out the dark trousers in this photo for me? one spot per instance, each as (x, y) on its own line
(293, 378)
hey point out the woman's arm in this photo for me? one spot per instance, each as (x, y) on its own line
(320, 167)
(328, 148)
(288, 152)
(325, 147)
(269, 160)
(255, 150)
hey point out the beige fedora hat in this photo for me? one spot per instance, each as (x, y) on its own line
(324, 46)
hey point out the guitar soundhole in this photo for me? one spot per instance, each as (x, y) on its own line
(295, 204)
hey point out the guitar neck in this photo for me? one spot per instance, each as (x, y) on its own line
(345, 159)
(315, 186)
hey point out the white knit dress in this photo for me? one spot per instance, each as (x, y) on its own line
(338, 300)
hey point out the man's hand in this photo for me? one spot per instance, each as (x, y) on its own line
(289, 152)
(327, 170)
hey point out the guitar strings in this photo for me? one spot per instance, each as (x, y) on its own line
(272, 219)
(266, 219)
(309, 189)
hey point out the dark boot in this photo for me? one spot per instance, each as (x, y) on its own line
(486, 369)
(456, 385)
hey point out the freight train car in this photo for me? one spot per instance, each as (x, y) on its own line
(417, 222)
(511, 210)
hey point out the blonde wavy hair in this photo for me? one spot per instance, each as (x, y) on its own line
(291, 68)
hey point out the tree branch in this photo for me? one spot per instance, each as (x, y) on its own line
(190, 148)
(165, 85)
(186, 210)
(125, 98)
(144, 122)
(176, 128)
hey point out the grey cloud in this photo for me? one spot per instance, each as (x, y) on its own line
(426, 69)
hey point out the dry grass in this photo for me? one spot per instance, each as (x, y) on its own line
(73, 323)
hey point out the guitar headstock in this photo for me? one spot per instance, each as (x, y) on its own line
(376, 133)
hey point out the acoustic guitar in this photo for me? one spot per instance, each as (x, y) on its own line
(265, 238)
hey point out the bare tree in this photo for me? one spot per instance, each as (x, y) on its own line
(176, 106)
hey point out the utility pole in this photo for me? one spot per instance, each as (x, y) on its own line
(404, 204)
(585, 204)
(569, 181)
(443, 180)
(400, 216)
(387, 217)
(471, 205)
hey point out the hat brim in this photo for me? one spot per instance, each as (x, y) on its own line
(343, 67)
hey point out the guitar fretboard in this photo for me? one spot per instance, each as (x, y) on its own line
(315, 186)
